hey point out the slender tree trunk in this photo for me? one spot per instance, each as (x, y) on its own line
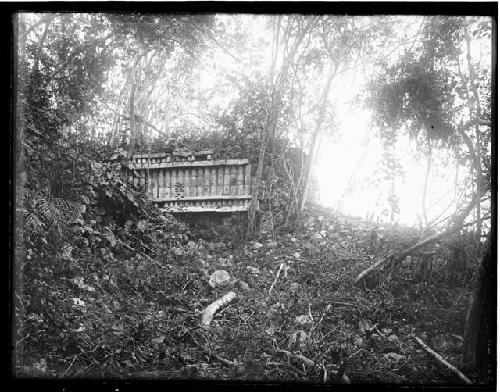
(480, 326)
(131, 114)
(40, 43)
(131, 108)
(475, 107)
(426, 182)
(316, 135)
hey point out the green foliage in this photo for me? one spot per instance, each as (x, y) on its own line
(409, 96)
(153, 31)
(50, 214)
(244, 121)
(427, 91)
(62, 72)
(437, 93)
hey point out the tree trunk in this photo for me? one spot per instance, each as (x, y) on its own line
(40, 43)
(475, 106)
(131, 110)
(271, 121)
(316, 135)
(480, 324)
(424, 195)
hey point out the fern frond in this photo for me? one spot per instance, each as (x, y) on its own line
(69, 210)
(56, 212)
(32, 224)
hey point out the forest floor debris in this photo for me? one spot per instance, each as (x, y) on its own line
(295, 298)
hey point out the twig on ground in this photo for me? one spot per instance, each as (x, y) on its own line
(386, 337)
(442, 361)
(77, 355)
(225, 361)
(341, 377)
(300, 357)
(328, 307)
(328, 334)
(310, 314)
(342, 303)
(276, 279)
(210, 353)
(287, 366)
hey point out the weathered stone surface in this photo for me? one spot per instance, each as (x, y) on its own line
(253, 270)
(226, 262)
(317, 237)
(257, 245)
(219, 278)
(298, 339)
(272, 244)
(303, 320)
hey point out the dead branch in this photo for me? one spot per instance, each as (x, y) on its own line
(224, 360)
(210, 310)
(276, 279)
(288, 367)
(307, 361)
(457, 223)
(213, 355)
(441, 360)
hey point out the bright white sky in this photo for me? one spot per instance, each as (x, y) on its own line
(337, 160)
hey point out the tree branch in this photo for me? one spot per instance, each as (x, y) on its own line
(396, 258)
(442, 361)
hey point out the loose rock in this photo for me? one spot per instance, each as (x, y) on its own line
(272, 244)
(299, 339)
(317, 237)
(219, 278)
(257, 245)
(253, 270)
(225, 262)
(303, 320)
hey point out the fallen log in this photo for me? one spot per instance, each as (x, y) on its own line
(210, 310)
(442, 361)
